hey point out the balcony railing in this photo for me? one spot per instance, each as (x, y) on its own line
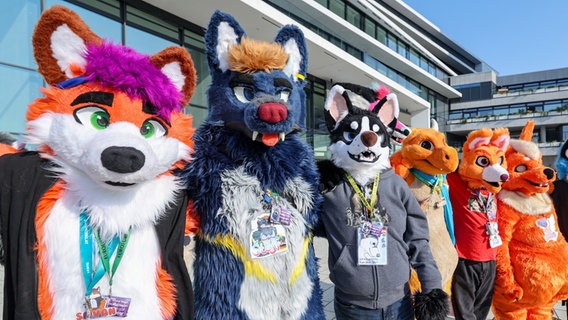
(503, 93)
(497, 117)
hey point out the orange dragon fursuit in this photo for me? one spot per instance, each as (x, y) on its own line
(423, 162)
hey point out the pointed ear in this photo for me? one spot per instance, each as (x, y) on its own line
(222, 32)
(177, 65)
(336, 106)
(527, 132)
(389, 110)
(434, 124)
(480, 141)
(60, 40)
(477, 138)
(291, 38)
(501, 139)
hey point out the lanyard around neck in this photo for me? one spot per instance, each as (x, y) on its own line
(486, 203)
(355, 187)
(93, 276)
(434, 182)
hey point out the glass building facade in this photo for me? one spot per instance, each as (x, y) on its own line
(133, 23)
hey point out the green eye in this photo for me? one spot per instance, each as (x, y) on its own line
(152, 129)
(100, 120)
(97, 117)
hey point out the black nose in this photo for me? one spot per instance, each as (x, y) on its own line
(122, 159)
(549, 173)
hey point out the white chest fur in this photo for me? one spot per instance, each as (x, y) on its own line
(242, 204)
(135, 277)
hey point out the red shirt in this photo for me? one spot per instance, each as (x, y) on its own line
(470, 220)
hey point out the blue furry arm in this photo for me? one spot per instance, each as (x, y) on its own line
(218, 276)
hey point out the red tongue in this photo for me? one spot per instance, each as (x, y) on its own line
(270, 139)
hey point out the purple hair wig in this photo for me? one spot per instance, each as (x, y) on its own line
(133, 73)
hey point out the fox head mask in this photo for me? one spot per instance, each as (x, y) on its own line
(111, 116)
(483, 163)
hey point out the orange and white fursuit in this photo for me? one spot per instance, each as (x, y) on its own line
(109, 132)
(532, 263)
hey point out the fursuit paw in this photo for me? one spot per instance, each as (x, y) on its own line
(514, 293)
(434, 305)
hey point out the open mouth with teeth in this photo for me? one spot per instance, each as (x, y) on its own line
(539, 185)
(119, 184)
(365, 156)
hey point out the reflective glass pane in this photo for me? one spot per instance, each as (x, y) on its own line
(152, 24)
(103, 26)
(353, 16)
(199, 114)
(199, 97)
(337, 7)
(17, 21)
(19, 88)
(145, 42)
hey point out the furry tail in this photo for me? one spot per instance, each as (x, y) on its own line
(431, 306)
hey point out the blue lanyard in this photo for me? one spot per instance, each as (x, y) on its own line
(88, 251)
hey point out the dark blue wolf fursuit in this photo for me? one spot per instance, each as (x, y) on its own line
(253, 181)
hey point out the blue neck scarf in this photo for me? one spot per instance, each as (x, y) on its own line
(435, 181)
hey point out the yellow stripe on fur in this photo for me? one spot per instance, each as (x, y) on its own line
(253, 267)
(301, 265)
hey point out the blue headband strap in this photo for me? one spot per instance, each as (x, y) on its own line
(73, 82)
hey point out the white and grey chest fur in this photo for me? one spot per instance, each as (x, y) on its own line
(241, 206)
(135, 277)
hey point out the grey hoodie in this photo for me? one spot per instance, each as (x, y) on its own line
(376, 287)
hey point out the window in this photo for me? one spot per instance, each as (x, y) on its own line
(322, 2)
(337, 7)
(552, 105)
(370, 27)
(381, 35)
(18, 18)
(391, 42)
(19, 88)
(353, 16)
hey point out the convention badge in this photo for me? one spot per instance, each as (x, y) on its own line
(99, 306)
(493, 231)
(548, 226)
(280, 215)
(266, 238)
(120, 304)
(495, 241)
(371, 244)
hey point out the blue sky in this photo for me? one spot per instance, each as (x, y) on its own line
(512, 36)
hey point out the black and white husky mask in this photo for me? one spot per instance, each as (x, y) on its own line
(357, 122)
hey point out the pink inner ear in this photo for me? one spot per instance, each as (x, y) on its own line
(502, 142)
(477, 142)
(337, 106)
(387, 112)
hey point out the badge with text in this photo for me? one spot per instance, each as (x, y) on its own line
(267, 239)
(99, 306)
(493, 232)
(371, 244)
(280, 215)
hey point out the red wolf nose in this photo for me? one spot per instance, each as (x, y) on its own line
(272, 112)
